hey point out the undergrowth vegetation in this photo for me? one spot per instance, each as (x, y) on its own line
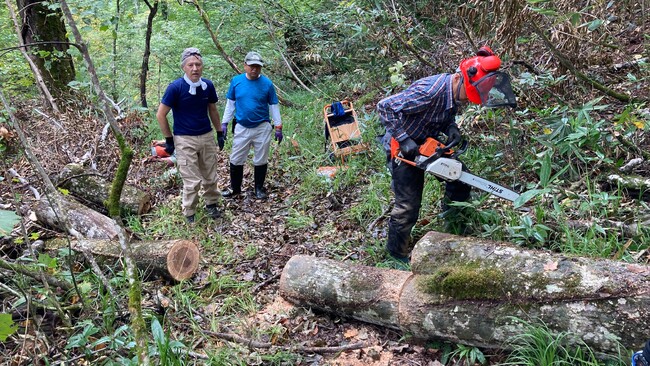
(567, 149)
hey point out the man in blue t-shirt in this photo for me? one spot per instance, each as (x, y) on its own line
(193, 102)
(251, 99)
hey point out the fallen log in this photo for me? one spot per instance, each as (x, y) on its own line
(172, 259)
(474, 292)
(634, 186)
(90, 186)
(83, 220)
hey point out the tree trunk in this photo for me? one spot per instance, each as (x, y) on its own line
(153, 9)
(89, 186)
(472, 291)
(41, 25)
(172, 259)
(83, 220)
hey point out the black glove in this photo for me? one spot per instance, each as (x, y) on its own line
(169, 145)
(221, 139)
(453, 135)
(408, 148)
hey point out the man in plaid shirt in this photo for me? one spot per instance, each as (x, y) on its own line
(428, 108)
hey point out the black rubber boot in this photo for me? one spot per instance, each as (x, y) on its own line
(236, 177)
(260, 177)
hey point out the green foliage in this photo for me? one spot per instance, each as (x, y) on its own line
(47, 262)
(7, 326)
(83, 338)
(170, 352)
(528, 233)
(537, 345)
(8, 219)
(397, 78)
(467, 355)
(299, 219)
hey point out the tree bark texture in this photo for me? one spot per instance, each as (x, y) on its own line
(172, 259)
(41, 24)
(475, 292)
(634, 186)
(144, 69)
(89, 186)
(83, 220)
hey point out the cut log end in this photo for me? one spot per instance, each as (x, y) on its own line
(183, 260)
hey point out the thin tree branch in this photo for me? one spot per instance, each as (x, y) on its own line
(215, 40)
(628, 144)
(569, 66)
(277, 45)
(22, 180)
(37, 275)
(396, 31)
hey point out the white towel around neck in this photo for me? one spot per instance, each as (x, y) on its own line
(193, 85)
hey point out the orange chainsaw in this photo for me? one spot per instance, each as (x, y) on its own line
(440, 160)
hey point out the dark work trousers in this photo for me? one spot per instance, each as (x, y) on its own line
(408, 184)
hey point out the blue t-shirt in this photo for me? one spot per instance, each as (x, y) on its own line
(190, 111)
(252, 99)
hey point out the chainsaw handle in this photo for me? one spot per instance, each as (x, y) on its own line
(399, 158)
(460, 150)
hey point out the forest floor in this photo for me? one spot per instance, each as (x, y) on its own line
(249, 246)
(247, 223)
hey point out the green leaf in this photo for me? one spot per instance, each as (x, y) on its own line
(47, 261)
(528, 195)
(549, 12)
(8, 219)
(7, 326)
(594, 25)
(575, 18)
(545, 171)
(157, 331)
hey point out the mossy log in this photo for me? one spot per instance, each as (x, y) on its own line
(90, 186)
(172, 259)
(83, 220)
(473, 291)
(635, 186)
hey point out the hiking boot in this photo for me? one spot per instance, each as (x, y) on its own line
(229, 193)
(213, 211)
(189, 219)
(236, 177)
(260, 177)
(260, 193)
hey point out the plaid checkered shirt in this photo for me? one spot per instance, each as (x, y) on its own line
(423, 110)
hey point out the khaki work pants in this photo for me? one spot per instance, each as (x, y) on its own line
(197, 163)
